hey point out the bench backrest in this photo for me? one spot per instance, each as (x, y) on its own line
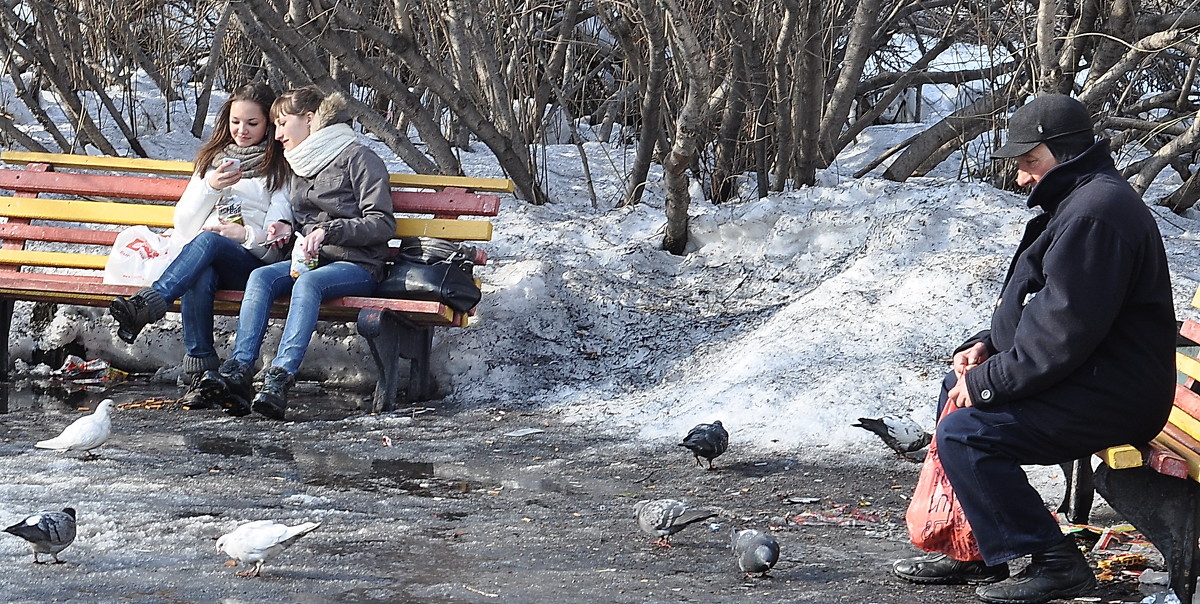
(92, 200)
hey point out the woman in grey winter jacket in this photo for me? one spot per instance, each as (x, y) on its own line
(342, 204)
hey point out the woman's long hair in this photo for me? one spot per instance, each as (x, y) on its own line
(274, 167)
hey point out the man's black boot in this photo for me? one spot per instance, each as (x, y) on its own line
(1058, 573)
(229, 386)
(271, 399)
(940, 569)
(135, 312)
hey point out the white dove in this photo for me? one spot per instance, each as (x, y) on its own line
(48, 532)
(902, 434)
(260, 541)
(85, 433)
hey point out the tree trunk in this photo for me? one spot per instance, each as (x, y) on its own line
(215, 57)
(964, 124)
(688, 127)
(858, 51)
(652, 91)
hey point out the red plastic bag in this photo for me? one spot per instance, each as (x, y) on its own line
(935, 519)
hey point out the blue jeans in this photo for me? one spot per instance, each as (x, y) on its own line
(274, 281)
(207, 263)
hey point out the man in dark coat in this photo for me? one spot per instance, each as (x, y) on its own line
(1079, 357)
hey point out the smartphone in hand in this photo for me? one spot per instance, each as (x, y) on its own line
(233, 163)
(280, 239)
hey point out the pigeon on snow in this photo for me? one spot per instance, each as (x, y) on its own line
(48, 532)
(708, 441)
(902, 434)
(756, 551)
(665, 517)
(85, 433)
(260, 541)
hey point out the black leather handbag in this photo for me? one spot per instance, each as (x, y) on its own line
(426, 268)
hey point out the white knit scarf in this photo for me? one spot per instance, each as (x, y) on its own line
(316, 151)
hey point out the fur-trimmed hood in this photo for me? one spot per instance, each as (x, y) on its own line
(331, 111)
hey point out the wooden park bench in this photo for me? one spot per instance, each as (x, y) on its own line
(60, 227)
(1156, 488)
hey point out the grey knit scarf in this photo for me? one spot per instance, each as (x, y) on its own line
(253, 158)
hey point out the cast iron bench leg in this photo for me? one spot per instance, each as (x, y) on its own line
(1166, 510)
(1080, 490)
(6, 312)
(392, 338)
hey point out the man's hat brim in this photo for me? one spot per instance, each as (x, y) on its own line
(1014, 149)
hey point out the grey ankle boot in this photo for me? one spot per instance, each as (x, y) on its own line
(135, 312)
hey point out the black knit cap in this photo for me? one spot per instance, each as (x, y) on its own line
(1045, 118)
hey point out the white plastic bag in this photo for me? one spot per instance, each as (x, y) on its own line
(138, 257)
(300, 264)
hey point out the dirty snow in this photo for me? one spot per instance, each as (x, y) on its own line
(789, 317)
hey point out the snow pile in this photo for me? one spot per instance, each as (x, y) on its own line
(789, 317)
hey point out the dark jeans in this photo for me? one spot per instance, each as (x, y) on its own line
(207, 263)
(982, 451)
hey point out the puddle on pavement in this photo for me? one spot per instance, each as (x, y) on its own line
(340, 469)
(232, 447)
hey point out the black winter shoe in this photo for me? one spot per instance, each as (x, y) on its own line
(271, 399)
(135, 312)
(194, 397)
(940, 569)
(1059, 573)
(229, 386)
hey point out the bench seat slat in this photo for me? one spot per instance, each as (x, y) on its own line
(98, 212)
(89, 290)
(91, 185)
(18, 232)
(448, 202)
(52, 259)
(1184, 445)
(101, 212)
(1188, 365)
(184, 168)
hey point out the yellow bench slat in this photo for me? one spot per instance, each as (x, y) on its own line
(1187, 365)
(98, 212)
(184, 168)
(52, 259)
(99, 162)
(457, 230)
(1185, 422)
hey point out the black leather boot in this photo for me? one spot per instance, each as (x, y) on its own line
(1058, 573)
(271, 399)
(135, 312)
(940, 569)
(229, 386)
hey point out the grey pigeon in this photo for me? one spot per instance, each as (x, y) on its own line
(48, 532)
(85, 433)
(902, 434)
(756, 551)
(260, 541)
(665, 517)
(708, 441)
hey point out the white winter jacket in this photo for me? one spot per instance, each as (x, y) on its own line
(197, 208)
